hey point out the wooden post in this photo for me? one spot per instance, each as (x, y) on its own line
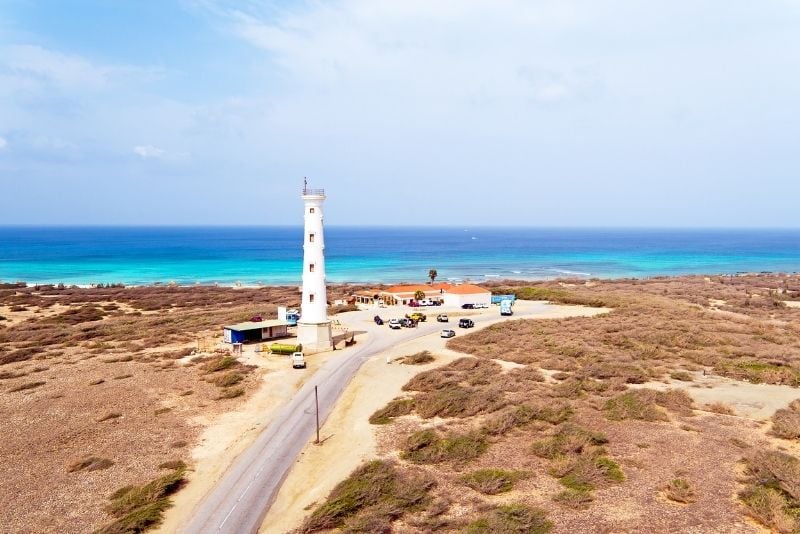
(316, 401)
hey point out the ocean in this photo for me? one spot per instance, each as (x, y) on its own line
(273, 255)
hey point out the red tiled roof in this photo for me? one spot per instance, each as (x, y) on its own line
(467, 289)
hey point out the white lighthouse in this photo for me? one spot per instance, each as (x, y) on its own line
(314, 328)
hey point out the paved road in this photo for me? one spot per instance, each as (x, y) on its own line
(239, 501)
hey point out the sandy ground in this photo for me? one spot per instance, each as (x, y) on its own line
(347, 437)
(753, 401)
(792, 303)
(227, 435)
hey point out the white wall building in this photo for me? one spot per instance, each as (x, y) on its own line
(466, 294)
(314, 328)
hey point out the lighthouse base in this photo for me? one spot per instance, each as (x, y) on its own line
(315, 337)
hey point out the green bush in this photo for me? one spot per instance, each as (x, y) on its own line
(635, 404)
(570, 439)
(395, 408)
(138, 508)
(510, 519)
(491, 481)
(374, 493)
(428, 447)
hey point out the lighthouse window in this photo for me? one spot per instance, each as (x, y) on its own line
(311, 267)
(311, 297)
(310, 238)
(310, 210)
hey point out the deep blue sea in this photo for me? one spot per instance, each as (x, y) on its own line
(273, 255)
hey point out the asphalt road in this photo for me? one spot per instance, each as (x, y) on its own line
(240, 500)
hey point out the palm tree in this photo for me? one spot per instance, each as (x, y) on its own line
(432, 274)
(419, 295)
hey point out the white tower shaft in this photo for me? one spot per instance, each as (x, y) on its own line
(314, 308)
(314, 328)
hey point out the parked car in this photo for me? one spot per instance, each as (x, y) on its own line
(480, 306)
(394, 324)
(465, 323)
(298, 360)
(419, 316)
(468, 306)
(378, 320)
(448, 333)
(442, 318)
(408, 323)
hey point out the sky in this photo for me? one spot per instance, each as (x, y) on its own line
(677, 113)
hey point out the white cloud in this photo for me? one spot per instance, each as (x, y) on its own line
(152, 152)
(149, 151)
(32, 64)
(3, 143)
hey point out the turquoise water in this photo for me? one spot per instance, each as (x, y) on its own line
(273, 255)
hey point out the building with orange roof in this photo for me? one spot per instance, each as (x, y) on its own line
(442, 292)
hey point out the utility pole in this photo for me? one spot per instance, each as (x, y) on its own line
(316, 402)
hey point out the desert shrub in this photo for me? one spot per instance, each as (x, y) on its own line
(588, 472)
(173, 464)
(19, 355)
(395, 408)
(511, 518)
(574, 498)
(772, 489)
(138, 508)
(7, 375)
(759, 372)
(219, 363)
(230, 393)
(90, 463)
(230, 378)
(786, 421)
(770, 507)
(375, 492)
(108, 416)
(458, 401)
(635, 404)
(679, 490)
(569, 439)
(720, 407)
(117, 359)
(525, 413)
(683, 376)
(675, 400)
(25, 386)
(555, 295)
(418, 359)
(491, 481)
(429, 447)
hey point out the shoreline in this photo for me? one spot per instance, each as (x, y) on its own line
(489, 279)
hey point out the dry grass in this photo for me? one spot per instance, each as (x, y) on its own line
(430, 447)
(138, 508)
(26, 386)
(511, 518)
(420, 358)
(395, 408)
(772, 491)
(679, 490)
(491, 481)
(370, 498)
(786, 421)
(90, 463)
(720, 408)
